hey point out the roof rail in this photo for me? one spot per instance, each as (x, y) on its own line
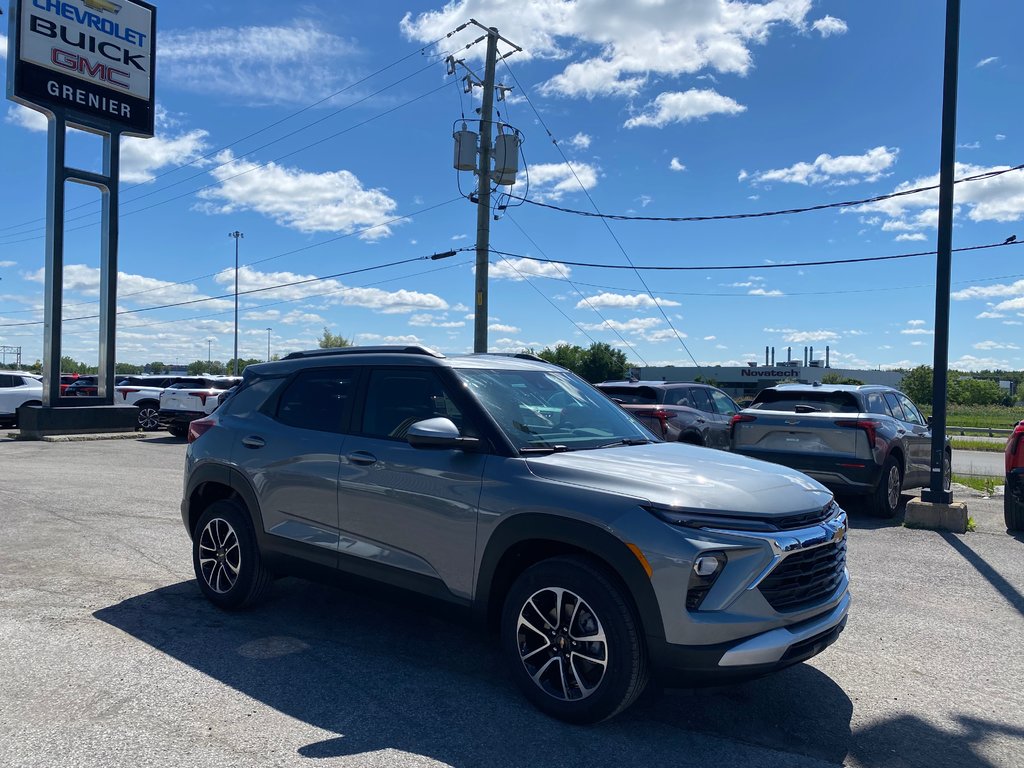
(412, 349)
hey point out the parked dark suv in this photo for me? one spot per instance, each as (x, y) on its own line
(601, 554)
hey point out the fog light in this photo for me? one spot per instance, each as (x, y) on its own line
(706, 565)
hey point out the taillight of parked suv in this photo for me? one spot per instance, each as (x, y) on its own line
(1015, 449)
(198, 428)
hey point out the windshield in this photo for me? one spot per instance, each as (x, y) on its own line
(551, 410)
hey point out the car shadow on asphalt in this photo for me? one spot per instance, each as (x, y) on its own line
(162, 440)
(860, 517)
(392, 674)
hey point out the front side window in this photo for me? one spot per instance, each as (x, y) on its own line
(700, 397)
(398, 398)
(910, 410)
(318, 399)
(553, 410)
(725, 404)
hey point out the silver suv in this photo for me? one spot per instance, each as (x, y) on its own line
(601, 555)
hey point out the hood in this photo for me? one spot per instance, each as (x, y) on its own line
(686, 476)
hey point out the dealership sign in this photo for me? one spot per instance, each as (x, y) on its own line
(91, 60)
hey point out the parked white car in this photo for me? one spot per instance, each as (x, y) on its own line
(144, 392)
(16, 389)
(190, 399)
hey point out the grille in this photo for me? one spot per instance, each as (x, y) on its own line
(805, 578)
(805, 519)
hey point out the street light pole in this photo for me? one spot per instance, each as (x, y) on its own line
(237, 235)
(209, 352)
(268, 343)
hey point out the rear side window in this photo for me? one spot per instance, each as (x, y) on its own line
(910, 410)
(632, 395)
(894, 406)
(702, 401)
(319, 399)
(876, 404)
(808, 401)
(7, 381)
(725, 404)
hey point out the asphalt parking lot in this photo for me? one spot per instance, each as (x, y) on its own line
(109, 656)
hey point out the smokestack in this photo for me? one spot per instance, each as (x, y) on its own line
(805, 357)
(766, 357)
(773, 357)
(789, 354)
(810, 360)
(826, 356)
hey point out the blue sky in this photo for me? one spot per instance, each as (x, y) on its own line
(660, 108)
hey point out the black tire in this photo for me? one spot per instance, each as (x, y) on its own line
(593, 603)
(226, 558)
(885, 499)
(178, 430)
(149, 416)
(691, 439)
(1013, 505)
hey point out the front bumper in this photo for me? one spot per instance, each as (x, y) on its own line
(749, 657)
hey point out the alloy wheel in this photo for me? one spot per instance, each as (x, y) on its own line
(148, 417)
(219, 555)
(894, 487)
(562, 644)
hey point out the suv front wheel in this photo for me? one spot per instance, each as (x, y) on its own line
(226, 557)
(572, 640)
(885, 500)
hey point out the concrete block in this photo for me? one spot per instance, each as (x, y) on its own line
(37, 422)
(936, 517)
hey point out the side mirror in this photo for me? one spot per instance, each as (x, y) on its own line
(439, 432)
(929, 421)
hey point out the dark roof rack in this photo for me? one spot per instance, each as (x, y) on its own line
(520, 355)
(413, 349)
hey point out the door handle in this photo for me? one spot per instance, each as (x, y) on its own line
(253, 441)
(362, 457)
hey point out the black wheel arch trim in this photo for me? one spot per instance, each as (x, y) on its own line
(576, 534)
(230, 478)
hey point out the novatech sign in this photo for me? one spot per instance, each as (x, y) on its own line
(91, 58)
(762, 373)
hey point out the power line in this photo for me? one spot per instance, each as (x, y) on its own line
(604, 320)
(761, 214)
(352, 233)
(255, 167)
(593, 203)
(265, 128)
(715, 267)
(247, 292)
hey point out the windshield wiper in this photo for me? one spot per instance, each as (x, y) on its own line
(546, 449)
(626, 441)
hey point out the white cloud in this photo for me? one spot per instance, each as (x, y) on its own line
(378, 338)
(624, 301)
(829, 25)
(431, 321)
(141, 158)
(989, 316)
(137, 289)
(842, 169)
(675, 165)
(520, 269)
(986, 345)
(616, 45)
(915, 323)
(26, 118)
(1000, 137)
(298, 317)
(986, 61)
(914, 237)
(296, 62)
(675, 107)
(8, 263)
(969, 145)
(580, 141)
(502, 328)
(917, 332)
(333, 201)
(989, 291)
(710, 338)
(802, 337)
(1000, 198)
(633, 325)
(972, 363)
(765, 292)
(551, 181)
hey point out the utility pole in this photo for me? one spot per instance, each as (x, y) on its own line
(209, 350)
(483, 195)
(237, 235)
(936, 492)
(268, 343)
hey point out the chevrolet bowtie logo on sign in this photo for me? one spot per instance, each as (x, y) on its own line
(92, 59)
(102, 5)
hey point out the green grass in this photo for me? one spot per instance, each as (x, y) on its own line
(983, 484)
(967, 444)
(983, 416)
(972, 525)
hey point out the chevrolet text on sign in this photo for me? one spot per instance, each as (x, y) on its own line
(92, 58)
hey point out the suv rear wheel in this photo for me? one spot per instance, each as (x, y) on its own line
(572, 640)
(149, 416)
(885, 500)
(226, 557)
(1013, 506)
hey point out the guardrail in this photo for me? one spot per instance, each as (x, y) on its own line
(969, 431)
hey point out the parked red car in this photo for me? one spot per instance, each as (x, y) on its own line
(1013, 493)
